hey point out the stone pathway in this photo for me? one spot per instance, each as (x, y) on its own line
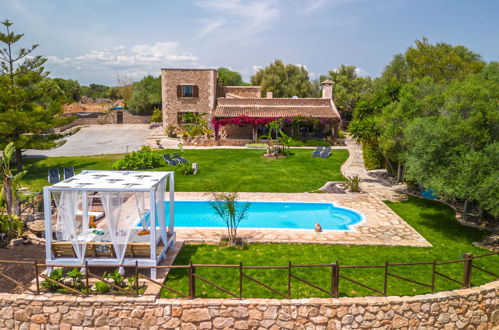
(380, 226)
(375, 182)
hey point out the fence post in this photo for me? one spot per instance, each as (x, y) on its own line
(192, 281)
(335, 279)
(86, 277)
(468, 261)
(289, 280)
(240, 280)
(36, 277)
(385, 285)
(433, 268)
(137, 278)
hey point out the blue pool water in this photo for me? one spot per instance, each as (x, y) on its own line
(269, 215)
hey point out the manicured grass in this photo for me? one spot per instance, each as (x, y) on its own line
(433, 220)
(220, 169)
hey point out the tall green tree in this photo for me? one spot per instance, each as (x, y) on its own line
(441, 61)
(227, 77)
(455, 150)
(420, 98)
(348, 88)
(70, 88)
(415, 75)
(146, 94)
(284, 80)
(30, 104)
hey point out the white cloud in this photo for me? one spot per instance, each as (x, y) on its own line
(137, 61)
(210, 27)
(256, 68)
(316, 4)
(361, 72)
(244, 18)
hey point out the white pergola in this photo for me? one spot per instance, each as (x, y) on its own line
(132, 202)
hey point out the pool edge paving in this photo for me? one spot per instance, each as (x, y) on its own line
(380, 226)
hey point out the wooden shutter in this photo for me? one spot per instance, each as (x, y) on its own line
(179, 91)
(195, 91)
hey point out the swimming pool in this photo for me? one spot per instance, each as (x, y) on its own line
(290, 215)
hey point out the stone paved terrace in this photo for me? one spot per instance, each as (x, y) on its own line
(381, 226)
(373, 182)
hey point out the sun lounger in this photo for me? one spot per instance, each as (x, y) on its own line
(54, 176)
(326, 152)
(181, 160)
(317, 152)
(68, 172)
(170, 161)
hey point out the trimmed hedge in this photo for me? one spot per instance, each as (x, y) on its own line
(373, 159)
(309, 143)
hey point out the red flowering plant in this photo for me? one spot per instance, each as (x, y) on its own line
(241, 120)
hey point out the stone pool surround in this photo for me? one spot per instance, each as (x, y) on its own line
(474, 308)
(380, 225)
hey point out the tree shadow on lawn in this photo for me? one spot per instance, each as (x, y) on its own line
(436, 221)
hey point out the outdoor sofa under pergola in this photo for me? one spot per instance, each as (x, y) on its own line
(104, 218)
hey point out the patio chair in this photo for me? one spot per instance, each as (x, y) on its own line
(68, 172)
(170, 161)
(54, 176)
(326, 152)
(317, 151)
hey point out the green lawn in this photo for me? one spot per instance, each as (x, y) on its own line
(433, 220)
(219, 169)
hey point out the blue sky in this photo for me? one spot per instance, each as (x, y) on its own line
(94, 41)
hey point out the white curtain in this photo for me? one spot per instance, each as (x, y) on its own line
(160, 210)
(140, 204)
(119, 224)
(69, 227)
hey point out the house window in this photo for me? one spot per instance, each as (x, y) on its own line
(187, 91)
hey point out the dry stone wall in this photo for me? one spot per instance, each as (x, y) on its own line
(475, 308)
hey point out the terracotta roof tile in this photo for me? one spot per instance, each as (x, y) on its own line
(314, 112)
(276, 107)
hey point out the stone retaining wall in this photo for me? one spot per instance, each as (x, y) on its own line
(475, 308)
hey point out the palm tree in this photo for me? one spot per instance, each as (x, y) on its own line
(10, 182)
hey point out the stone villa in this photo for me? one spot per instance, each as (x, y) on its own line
(239, 112)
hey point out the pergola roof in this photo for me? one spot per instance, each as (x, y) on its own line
(112, 180)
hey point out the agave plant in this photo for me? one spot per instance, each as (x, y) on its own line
(353, 183)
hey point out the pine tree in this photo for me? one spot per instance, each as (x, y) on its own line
(30, 104)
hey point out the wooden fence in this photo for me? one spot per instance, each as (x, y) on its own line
(336, 277)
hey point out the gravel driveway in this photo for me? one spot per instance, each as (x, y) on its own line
(99, 140)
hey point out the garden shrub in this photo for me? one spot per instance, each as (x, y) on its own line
(143, 159)
(10, 227)
(185, 169)
(157, 116)
(373, 159)
(102, 287)
(55, 275)
(309, 143)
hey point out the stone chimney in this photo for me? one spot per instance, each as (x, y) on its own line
(270, 95)
(327, 89)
